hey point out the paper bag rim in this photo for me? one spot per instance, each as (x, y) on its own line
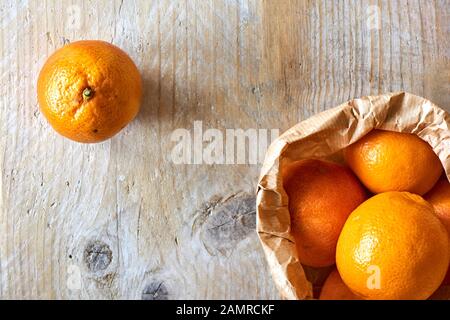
(319, 137)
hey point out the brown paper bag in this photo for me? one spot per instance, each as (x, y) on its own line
(324, 136)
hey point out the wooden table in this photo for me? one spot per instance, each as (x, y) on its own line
(120, 219)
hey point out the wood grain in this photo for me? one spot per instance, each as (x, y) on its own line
(134, 224)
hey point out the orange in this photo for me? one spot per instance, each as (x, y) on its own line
(89, 90)
(443, 293)
(446, 281)
(392, 161)
(439, 197)
(393, 247)
(321, 197)
(335, 289)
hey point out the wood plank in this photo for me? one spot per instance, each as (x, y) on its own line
(121, 214)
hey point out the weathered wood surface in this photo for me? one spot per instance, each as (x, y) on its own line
(120, 214)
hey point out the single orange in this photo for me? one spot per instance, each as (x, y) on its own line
(392, 161)
(321, 195)
(393, 247)
(439, 197)
(89, 90)
(335, 289)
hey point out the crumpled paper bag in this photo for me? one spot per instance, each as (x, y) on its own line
(324, 136)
